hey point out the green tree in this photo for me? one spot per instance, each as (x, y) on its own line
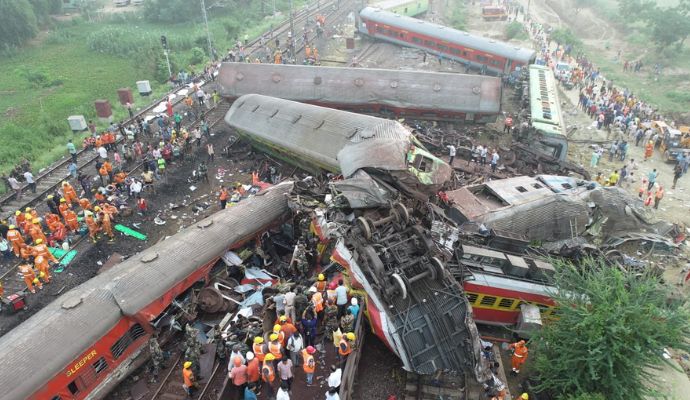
(669, 25)
(635, 10)
(611, 328)
(566, 36)
(44, 8)
(515, 30)
(17, 23)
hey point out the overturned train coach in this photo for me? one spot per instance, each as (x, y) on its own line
(384, 92)
(318, 138)
(84, 343)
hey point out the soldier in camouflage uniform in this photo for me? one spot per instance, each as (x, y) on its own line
(220, 343)
(347, 322)
(330, 319)
(193, 348)
(299, 259)
(157, 356)
(301, 302)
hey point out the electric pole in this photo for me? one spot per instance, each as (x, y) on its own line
(208, 33)
(292, 35)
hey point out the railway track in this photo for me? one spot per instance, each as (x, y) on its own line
(422, 387)
(48, 180)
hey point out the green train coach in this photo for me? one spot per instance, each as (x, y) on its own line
(408, 8)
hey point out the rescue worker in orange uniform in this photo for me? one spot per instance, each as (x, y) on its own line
(321, 283)
(51, 220)
(274, 347)
(223, 197)
(268, 375)
(253, 373)
(188, 380)
(32, 212)
(259, 348)
(308, 363)
(648, 150)
(103, 173)
(43, 267)
(84, 203)
(71, 220)
(19, 219)
(68, 193)
(36, 231)
(93, 227)
(25, 251)
(59, 234)
(345, 346)
(120, 178)
(109, 209)
(317, 301)
(28, 223)
(286, 327)
(64, 206)
(30, 277)
(106, 226)
(40, 249)
(520, 353)
(14, 237)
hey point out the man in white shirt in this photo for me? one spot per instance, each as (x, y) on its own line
(102, 152)
(451, 153)
(341, 298)
(29, 177)
(335, 377)
(289, 301)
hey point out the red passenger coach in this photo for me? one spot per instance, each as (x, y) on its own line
(88, 340)
(477, 51)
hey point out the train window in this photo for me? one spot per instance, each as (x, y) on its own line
(506, 303)
(443, 48)
(73, 388)
(423, 164)
(56, 398)
(134, 333)
(471, 297)
(379, 29)
(455, 51)
(429, 43)
(488, 301)
(495, 62)
(100, 365)
(464, 53)
(481, 58)
(417, 40)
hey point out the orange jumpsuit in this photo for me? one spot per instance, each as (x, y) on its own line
(59, 233)
(27, 223)
(29, 277)
(520, 354)
(106, 225)
(42, 250)
(93, 227)
(648, 150)
(120, 177)
(51, 220)
(36, 233)
(110, 210)
(25, 251)
(85, 204)
(69, 193)
(63, 207)
(20, 220)
(42, 266)
(71, 220)
(16, 239)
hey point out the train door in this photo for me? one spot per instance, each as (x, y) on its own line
(508, 67)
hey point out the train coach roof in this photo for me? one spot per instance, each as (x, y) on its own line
(361, 86)
(340, 139)
(45, 344)
(448, 34)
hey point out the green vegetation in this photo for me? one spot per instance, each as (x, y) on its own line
(458, 17)
(611, 329)
(79, 60)
(567, 37)
(667, 24)
(515, 30)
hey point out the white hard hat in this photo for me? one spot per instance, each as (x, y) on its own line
(312, 289)
(250, 356)
(354, 301)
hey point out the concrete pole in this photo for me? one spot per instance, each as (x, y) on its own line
(208, 32)
(292, 29)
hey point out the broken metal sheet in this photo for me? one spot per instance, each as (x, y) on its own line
(362, 191)
(231, 259)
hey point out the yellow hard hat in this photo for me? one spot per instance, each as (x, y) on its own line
(97, 208)
(36, 280)
(258, 340)
(322, 277)
(276, 328)
(39, 241)
(27, 209)
(350, 336)
(42, 275)
(63, 200)
(50, 196)
(17, 212)
(187, 364)
(274, 336)
(269, 357)
(28, 216)
(36, 221)
(524, 396)
(282, 319)
(12, 227)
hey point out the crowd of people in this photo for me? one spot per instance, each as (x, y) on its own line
(313, 318)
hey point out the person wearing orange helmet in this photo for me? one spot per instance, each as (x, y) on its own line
(520, 353)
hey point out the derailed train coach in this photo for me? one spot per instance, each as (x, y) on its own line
(318, 138)
(88, 340)
(382, 92)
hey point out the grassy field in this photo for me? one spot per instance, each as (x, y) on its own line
(71, 76)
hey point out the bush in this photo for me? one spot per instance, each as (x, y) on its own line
(565, 36)
(515, 30)
(458, 16)
(197, 57)
(37, 78)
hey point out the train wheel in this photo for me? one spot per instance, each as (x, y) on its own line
(436, 268)
(403, 214)
(364, 227)
(374, 261)
(400, 284)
